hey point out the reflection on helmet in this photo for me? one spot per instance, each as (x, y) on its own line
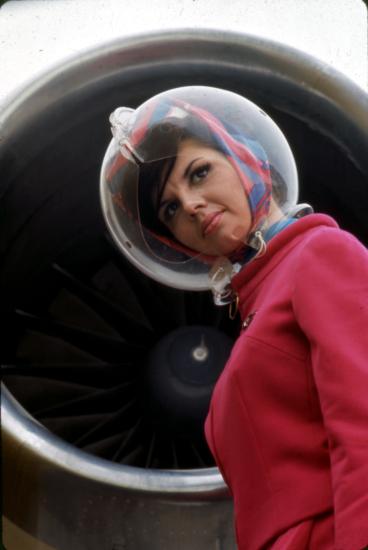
(143, 152)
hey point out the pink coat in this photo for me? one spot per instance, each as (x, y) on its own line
(288, 421)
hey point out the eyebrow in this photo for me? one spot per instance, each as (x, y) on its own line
(185, 175)
(188, 168)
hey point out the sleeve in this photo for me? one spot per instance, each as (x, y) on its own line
(331, 305)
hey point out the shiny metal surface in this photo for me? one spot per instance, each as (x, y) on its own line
(280, 69)
(68, 498)
(203, 484)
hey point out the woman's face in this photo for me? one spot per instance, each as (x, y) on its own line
(203, 203)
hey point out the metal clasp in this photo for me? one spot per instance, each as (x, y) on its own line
(233, 307)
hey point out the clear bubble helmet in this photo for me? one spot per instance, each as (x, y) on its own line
(146, 144)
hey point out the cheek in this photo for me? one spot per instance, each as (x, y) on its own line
(242, 202)
(238, 202)
(233, 192)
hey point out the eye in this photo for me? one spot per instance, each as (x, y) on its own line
(199, 173)
(170, 211)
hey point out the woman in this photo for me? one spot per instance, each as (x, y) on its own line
(199, 189)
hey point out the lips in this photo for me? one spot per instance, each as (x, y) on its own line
(210, 222)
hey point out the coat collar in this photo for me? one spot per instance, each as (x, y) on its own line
(277, 248)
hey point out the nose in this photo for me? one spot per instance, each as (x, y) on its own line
(192, 202)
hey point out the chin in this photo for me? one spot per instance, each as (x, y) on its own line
(228, 248)
(225, 250)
